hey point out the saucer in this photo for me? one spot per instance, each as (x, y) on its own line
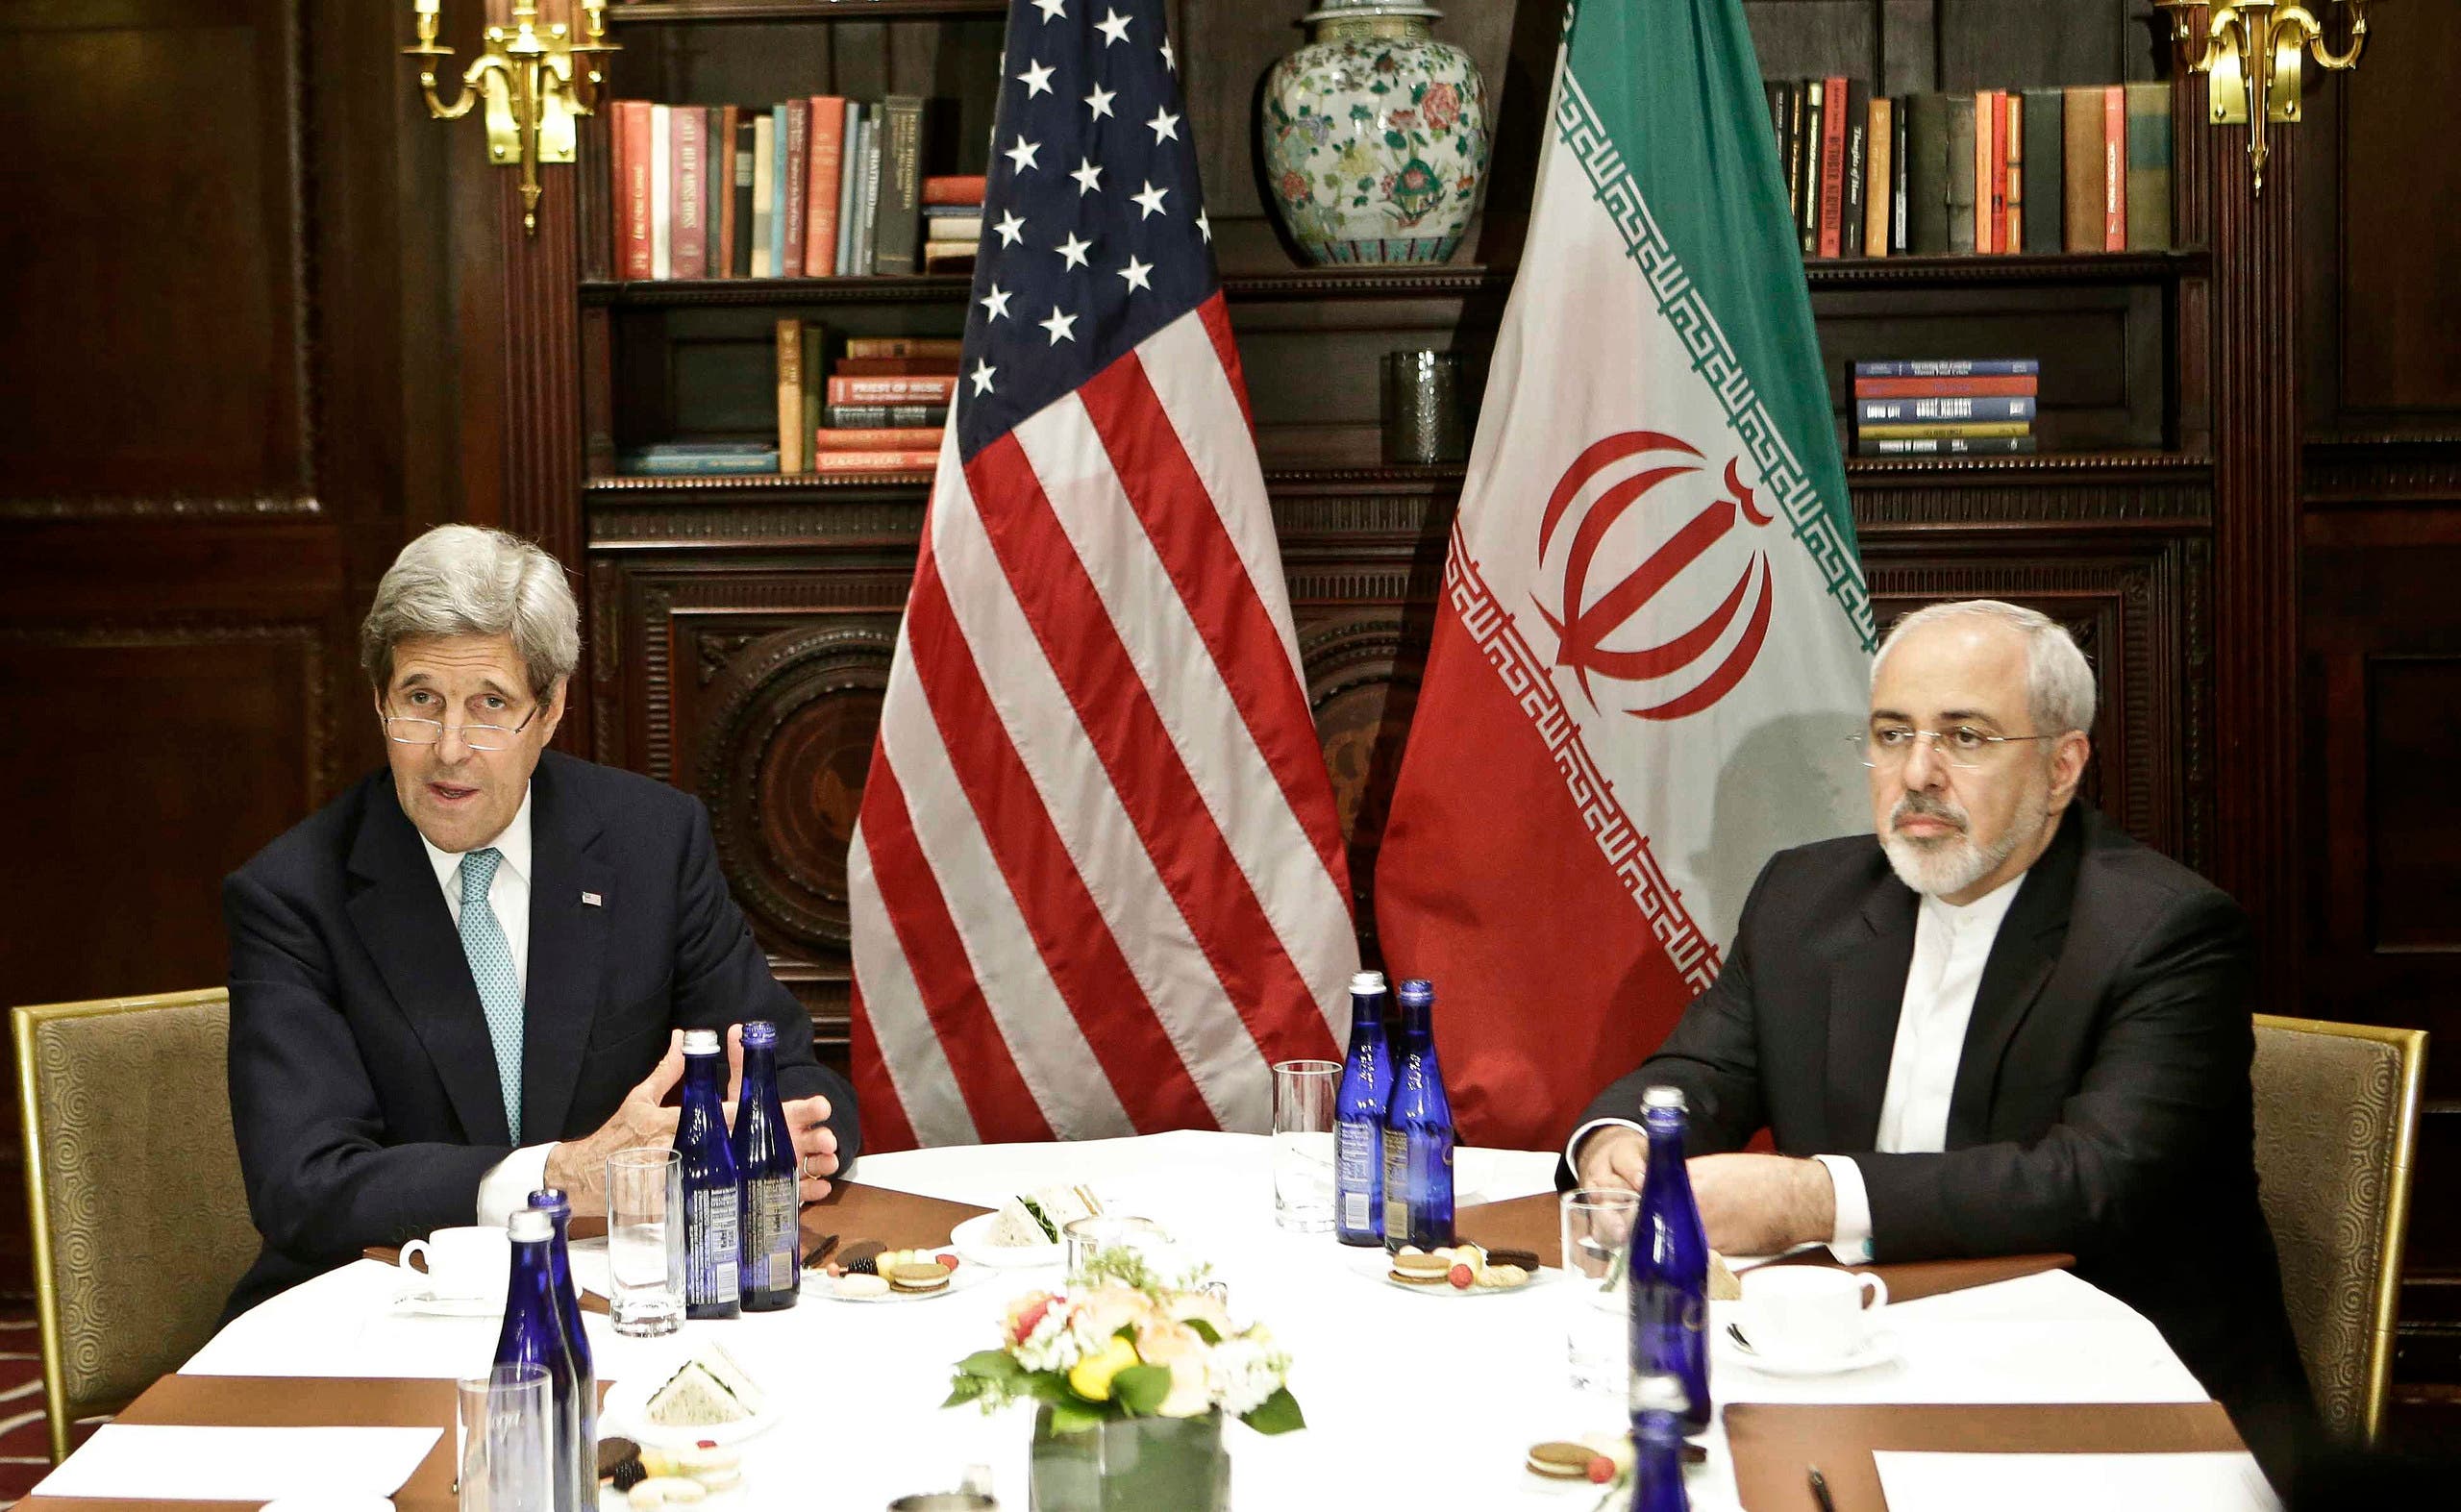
(1879, 1348)
(973, 1241)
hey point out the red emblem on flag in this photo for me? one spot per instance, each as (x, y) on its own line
(1585, 625)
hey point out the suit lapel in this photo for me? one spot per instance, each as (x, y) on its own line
(1866, 989)
(567, 949)
(401, 917)
(2022, 957)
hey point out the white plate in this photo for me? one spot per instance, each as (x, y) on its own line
(1880, 1348)
(626, 1412)
(819, 1283)
(1376, 1265)
(973, 1241)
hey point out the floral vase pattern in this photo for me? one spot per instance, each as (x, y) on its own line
(1376, 137)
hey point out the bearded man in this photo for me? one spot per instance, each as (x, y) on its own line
(1998, 1026)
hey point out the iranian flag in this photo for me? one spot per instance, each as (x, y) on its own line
(1653, 640)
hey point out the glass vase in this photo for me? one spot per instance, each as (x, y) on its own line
(1131, 1465)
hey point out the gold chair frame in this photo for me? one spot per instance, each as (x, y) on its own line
(2385, 1305)
(24, 1021)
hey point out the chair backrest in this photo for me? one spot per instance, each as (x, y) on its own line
(2337, 1111)
(139, 1220)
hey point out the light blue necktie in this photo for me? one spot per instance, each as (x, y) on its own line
(492, 968)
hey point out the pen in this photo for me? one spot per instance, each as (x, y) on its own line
(1820, 1491)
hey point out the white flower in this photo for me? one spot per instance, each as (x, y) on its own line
(1241, 1372)
(1053, 1345)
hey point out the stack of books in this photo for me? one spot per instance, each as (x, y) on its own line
(721, 458)
(951, 222)
(817, 187)
(2085, 169)
(880, 407)
(1953, 406)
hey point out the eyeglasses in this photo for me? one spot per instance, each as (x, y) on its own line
(1964, 748)
(409, 730)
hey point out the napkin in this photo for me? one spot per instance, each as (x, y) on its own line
(164, 1462)
(2202, 1482)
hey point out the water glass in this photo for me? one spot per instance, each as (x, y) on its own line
(503, 1458)
(1597, 1228)
(645, 1240)
(1088, 1236)
(1303, 1144)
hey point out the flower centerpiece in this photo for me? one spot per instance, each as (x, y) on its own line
(1131, 1375)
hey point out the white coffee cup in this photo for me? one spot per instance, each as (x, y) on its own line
(462, 1263)
(1810, 1314)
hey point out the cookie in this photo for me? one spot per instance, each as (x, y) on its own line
(1413, 1265)
(1561, 1459)
(1527, 1259)
(861, 1285)
(1504, 1278)
(1420, 1279)
(918, 1277)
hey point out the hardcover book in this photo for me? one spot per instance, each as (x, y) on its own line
(882, 415)
(1927, 387)
(2011, 235)
(2149, 167)
(1806, 161)
(1949, 367)
(1833, 166)
(828, 160)
(898, 233)
(744, 233)
(816, 361)
(1880, 176)
(638, 207)
(1898, 156)
(1947, 446)
(1926, 174)
(1962, 161)
(1947, 406)
(1915, 429)
(911, 391)
(850, 198)
(877, 438)
(796, 187)
(764, 195)
(661, 192)
(2044, 190)
(691, 247)
(790, 394)
(2082, 169)
(1858, 167)
(949, 347)
(1990, 171)
(2114, 168)
(954, 188)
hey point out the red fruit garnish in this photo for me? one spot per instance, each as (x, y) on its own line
(1601, 1470)
(706, 1444)
(948, 1262)
(1461, 1276)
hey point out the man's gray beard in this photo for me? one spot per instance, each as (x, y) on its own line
(1955, 863)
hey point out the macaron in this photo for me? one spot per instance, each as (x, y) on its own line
(918, 1275)
(1561, 1459)
(1421, 1267)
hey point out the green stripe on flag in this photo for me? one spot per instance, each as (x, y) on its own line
(1662, 102)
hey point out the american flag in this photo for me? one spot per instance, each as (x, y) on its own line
(1097, 883)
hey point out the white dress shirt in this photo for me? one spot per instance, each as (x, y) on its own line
(505, 1189)
(1952, 944)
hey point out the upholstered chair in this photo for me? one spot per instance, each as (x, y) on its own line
(2337, 1111)
(140, 1225)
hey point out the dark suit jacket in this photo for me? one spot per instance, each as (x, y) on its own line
(364, 1088)
(2101, 1106)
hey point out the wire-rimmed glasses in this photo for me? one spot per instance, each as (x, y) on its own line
(1962, 747)
(413, 730)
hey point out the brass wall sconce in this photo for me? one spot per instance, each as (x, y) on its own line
(536, 83)
(2251, 59)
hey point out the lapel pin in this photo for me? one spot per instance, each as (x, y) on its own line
(592, 899)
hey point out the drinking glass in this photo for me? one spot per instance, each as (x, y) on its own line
(1088, 1236)
(1597, 1228)
(645, 1240)
(503, 1460)
(1303, 1144)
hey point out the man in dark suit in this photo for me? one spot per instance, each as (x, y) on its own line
(466, 978)
(2000, 1027)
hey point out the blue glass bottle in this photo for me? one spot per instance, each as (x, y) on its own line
(1669, 1285)
(1658, 1445)
(712, 1186)
(1418, 1132)
(764, 1153)
(533, 1334)
(558, 1208)
(1358, 1117)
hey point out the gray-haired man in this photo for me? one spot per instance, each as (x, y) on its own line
(468, 977)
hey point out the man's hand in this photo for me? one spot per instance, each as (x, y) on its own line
(1613, 1156)
(815, 1146)
(579, 1165)
(1762, 1204)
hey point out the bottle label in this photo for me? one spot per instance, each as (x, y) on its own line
(1358, 1162)
(715, 1238)
(769, 1233)
(1397, 1187)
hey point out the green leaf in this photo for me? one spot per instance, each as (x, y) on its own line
(965, 1389)
(1277, 1413)
(1074, 1417)
(1139, 1389)
(1205, 1330)
(992, 1365)
(1396, 140)
(1052, 1387)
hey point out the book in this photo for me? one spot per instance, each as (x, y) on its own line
(954, 188)
(868, 196)
(790, 394)
(2082, 169)
(2012, 171)
(1897, 157)
(895, 366)
(949, 347)
(952, 228)
(720, 168)
(824, 162)
(1962, 188)
(910, 461)
(1927, 388)
(852, 416)
(661, 192)
(1832, 166)
(1949, 367)
(876, 438)
(917, 389)
(632, 130)
(1880, 178)
(1946, 446)
(895, 234)
(1945, 406)
(1926, 174)
(1990, 171)
(781, 142)
(2045, 140)
(797, 169)
(764, 195)
(815, 361)
(849, 196)
(2149, 167)
(1943, 427)
(1858, 168)
(2114, 168)
(689, 246)
(1782, 105)
(762, 457)
(942, 255)
(714, 191)
(1806, 164)
(741, 253)
(613, 112)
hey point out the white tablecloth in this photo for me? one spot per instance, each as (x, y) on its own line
(1407, 1395)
